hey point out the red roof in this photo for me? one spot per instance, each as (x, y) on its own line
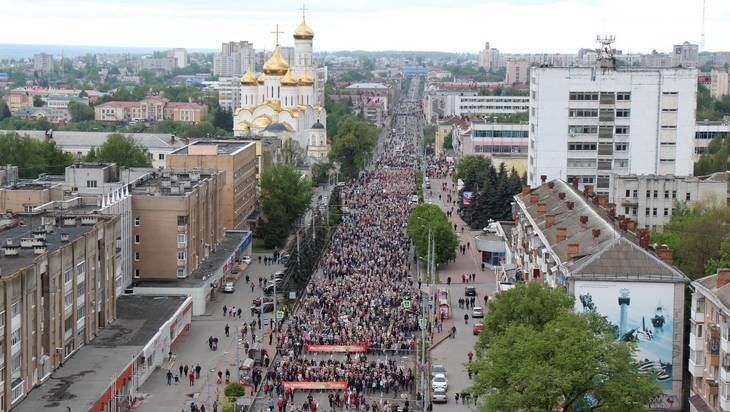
(120, 104)
(185, 105)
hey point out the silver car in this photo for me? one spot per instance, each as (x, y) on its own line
(439, 396)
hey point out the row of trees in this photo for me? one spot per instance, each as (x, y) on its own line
(699, 238)
(122, 150)
(536, 354)
(427, 218)
(32, 156)
(284, 195)
(492, 190)
(709, 108)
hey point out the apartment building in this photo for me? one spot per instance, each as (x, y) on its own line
(516, 72)
(17, 100)
(439, 104)
(577, 241)
(719, 84)
(177, 221)
(57, 293)
(685, 54)
(709, 343)
(234, 59)
(501, 142)
(181, 57)
(238, 160)
(229, 92)
(705, 131)
(489, 58)
(43, 63)
(651, 200)
(596, 122)
(152, 108)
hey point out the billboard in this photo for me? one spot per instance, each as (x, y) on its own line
(640, 312)
(467, 198)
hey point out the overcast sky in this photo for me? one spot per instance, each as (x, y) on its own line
(440, 25)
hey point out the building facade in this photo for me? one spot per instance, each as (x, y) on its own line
(57, 293)
(501, 142)
(234, 59)
(238, 160)
(685, 55)
(489, 58)
(651, 200)
(440, 104)
(718, 83)
(705, 131)
(152, 108)
(516, 72)
(181, 57)
(229, 92)
(43, 63)
(593, 123)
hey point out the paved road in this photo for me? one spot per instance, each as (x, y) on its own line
(194, 348)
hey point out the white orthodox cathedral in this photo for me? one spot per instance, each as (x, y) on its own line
(282, 101)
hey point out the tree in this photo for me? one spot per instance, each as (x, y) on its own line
(449, 141)
(80, 112)
(32, 156)
(38, 101)
(425, 217)
(4, 110)
(353, 145)
(123, 151)
(284, 195)
(536, 354)
(716, 158)
(291, 152)
(470, 169)
(722, 261)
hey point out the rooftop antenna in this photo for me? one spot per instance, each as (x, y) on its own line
(606, 53)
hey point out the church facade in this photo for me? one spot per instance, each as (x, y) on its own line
(281, 101)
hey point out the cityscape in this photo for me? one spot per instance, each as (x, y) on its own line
(376, 206)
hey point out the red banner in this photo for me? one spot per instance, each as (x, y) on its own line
(310, 385)
(336, 348)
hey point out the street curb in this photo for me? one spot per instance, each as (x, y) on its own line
(438, 342)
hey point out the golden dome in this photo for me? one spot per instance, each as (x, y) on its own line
(276, 65)
(303, 32)
(261, 78)
(248, 78)
(274, 104)
(305, 80)
(288, 79)
(261, 121)
(244, 125)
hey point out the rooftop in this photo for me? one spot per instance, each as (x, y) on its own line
(185, 105)
(222, 147)
(171, 182)
(82, 141)
(84, 377)
(367, 86)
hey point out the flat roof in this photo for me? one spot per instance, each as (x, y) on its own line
(152, 183)
(25, 224)
(225, 147)
(84, 377)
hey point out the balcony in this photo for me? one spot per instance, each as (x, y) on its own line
(696, 343)
(696, 370)
(698, 317)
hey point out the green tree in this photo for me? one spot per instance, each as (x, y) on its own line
(80, 112)
(449, 141)
(221, 118)
(425, 217)
(716, 158)
(32, 156)
(536, 354)
(470, 169)
(4, 110)
(353, 145)
(722, 261)
(284, 195)
(291, 152)
(38, 101)
(182, 93)
(123, 151)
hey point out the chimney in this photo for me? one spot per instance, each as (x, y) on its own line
(561, 195)
(543, 178)
(570, 204)
(584, 220)
(551, 184)
(526, 190)
(541, 207)
(596, 233)
(172, 138)
(549, 220)
(561, 234)
(665, 254)
(602, 200)
(723, 277)
(534, 197)
(572, 250)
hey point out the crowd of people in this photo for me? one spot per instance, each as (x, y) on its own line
(364, 295)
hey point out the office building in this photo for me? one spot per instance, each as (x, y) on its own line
(593, 123)
(685, 55)
(706, 130)
(500, 142)
(439, 104)
(152, 108)
(718, 83)
(709, 343)
(516, 72)
(57, 293)
(234, 59)
(181, 57)
(577, 241)
(652, 200)
(43, 63)
(229, 92)
(489, 58)
(177, 221)
(238, 160)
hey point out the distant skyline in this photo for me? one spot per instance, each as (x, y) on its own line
(516, 26)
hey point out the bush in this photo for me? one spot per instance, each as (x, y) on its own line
(234, 390)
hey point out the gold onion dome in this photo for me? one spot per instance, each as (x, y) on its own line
(261, 78)
(276, 65)
(248, 78)
(303, 32)
(288, 79)
(305, 80)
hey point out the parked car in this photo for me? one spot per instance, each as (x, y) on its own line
(439, 382)
(246, 260)
(268, 307)
(470, 291)
(439, 396)
(257, 300)
(278, 274)
(477, 312)
(229, 287)
(438, 370)
(477, 329)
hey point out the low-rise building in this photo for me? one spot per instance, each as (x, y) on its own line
(238, 160)
(185, 112)
(17, 100)
(152, 108)
(500, 142)
(177, 221)
(57, 293)
(577, 241)
(705, 131)
(651, 200)
(718, 83)
(709, 343)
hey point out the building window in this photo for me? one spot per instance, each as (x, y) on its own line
(68, 299)
(14, 309)
(91, 183)
(136, 255)
(622, 147)
(656, 193)
(648, 194)
(635, 210)
(674, 194)
(653, 212)
(81, 289)
(81, 312)
(161, 156)
(666, 211)
(688, 196)
(625, 96)
(648, 211)
(2, 324)
(623, 112)
(582, 146)
(137, 220)
(181, 255)
(15, 337)
(666, 194)
(635, 193)
(67, 275)
(622, 130)
(136, 273)
(180, 272)
(628, 194)
(627, 210)
(181, 238)
(136, 238)
(182, 220)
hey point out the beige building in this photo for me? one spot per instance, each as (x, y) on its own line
(709, 343)
(152, 108)
(57, 292)
(177, 221)
(23, 197)
(185, 112)
(16, 100)
(718, 83)
(516, 72)
(238, 160)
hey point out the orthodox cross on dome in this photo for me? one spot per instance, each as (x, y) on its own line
(303, 9)
(277, 32)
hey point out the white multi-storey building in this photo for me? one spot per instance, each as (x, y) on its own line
(234, 59)
(441, 103)
(229, 92)
(595, 122)
(181, 57)
(706, 130)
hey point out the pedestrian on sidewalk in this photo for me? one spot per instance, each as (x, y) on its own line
(191, 378)
(169, 377)
(466, 319)
(197, 371)
(185, 369)
(239, 312)
(470, 355)
(225, 310)
(181, 371)
(227, 330)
